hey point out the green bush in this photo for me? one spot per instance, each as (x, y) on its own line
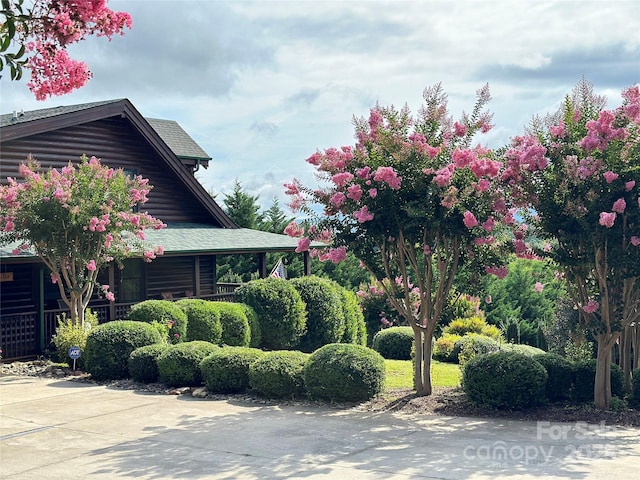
(279, 374)
(179, 365)
(634, 400)
(143, 362)
(355, 328)
(69, 334)
(559, 375)
(343, 372)
(394, 343)
(478, 345)
(168, 316)
(528, 350)
(236, 331)
(477, 325)
(280, 309)
(227, 369)
(254, 325)
(325, 317)
(443, 351)
(585, 379)
(203, 320)
(504, 380)
(110, 344)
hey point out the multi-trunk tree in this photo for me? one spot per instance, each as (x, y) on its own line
(77, 219)
(415, 203)
(580, 172)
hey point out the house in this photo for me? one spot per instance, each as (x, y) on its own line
(198, 230)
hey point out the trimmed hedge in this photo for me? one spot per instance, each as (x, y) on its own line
(342, 372)
(203, 320)
(474, 345)
(560, 375)
(394, 343)
(585, 379)
(522, 348)
(179, 365)
(143, 362)
(236, 331)
(279, 374)
(227, 369)
(504, 380)
(355, 328)
(169, 317)
(325, 316)
(280, 309)
(110, 344)
(254, 325)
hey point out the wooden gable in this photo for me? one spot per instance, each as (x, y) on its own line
(116, 133)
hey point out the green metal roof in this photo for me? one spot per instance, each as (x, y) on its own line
(189, 239)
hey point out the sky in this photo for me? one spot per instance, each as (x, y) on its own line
(261, 86)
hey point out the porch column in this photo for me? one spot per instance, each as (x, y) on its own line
(262, 264)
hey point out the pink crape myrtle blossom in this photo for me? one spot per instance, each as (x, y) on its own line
(469, 219)
(294, 229)
(499, 272)
(389, 176)
(610, 176)
(538, 287)
(591, 307)
(619, 206)
(607, 219)
(635, 241)
(363, 215)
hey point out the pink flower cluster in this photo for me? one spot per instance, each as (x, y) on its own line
(600, 132)
(55, 25)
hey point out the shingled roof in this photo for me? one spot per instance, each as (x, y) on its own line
(178, 140)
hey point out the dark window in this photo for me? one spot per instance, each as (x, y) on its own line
(132, 281)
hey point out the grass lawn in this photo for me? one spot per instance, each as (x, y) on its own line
(400, 374)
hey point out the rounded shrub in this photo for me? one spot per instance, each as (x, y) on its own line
(585, 379)
(474, 345)
(110, 344)
(394, 343)
(559, 375)
(254, 326)
(477, 325)
(342, 372)
(504, 380)
(355, 328)
(179, 365)
(325, 316)
(528, 350)
(203, 320)
(143, 362)
(443, 351)
(227, 369)
(70, 334)
(280, 309)
(165, 314)
(236, 330)
(279, 374)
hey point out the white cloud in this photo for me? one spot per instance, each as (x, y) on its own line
(262, 85)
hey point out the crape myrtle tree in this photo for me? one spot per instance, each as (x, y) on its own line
(580, 171)
(415, 203)
(36, 39)
(77, 219)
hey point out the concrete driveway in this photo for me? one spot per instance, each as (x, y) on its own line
(56, 429)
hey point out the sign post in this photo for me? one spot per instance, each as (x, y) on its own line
(74, 354)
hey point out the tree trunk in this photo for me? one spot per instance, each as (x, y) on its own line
(422, 362)
(602, 385)
(625, 356)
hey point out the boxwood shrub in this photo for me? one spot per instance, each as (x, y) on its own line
(342, 372)
(504, 380)
(236, 330)
(443, 351)
(179, 365)
(203, 320)
(226, 370)
(143, 362)
(585, 379)
(109, 345)
(325, 316)
(280, 309)
(169, 317)
(560, 375)
(394, 343)
(355, 328)
(279, 374)
(522, 348)
(254, 325)
(474, 345)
